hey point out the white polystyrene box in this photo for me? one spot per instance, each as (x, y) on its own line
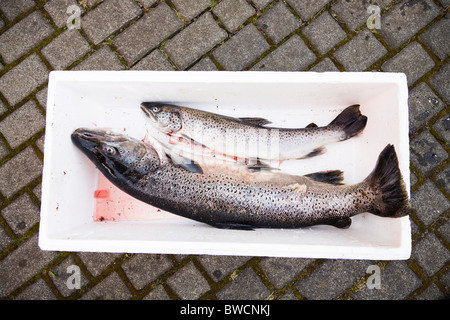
(111, 99)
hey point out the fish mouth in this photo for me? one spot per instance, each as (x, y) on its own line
(90, 139)
(148, 108)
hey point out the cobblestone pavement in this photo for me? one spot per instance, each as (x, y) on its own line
(289, 35)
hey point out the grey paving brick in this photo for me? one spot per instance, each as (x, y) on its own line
(111, 288)
(184, 49)
(20, 81)
(157, 294)
(188, 283)
(261, 4)
(423, 105)
(331, 278)
(3, 151)
(441, 82)
(38, 191)
(278, 22)
(154, 61)
(102, 59)
(108, 17)
(5, 240)
(233, 13)
(65, 49)
(147, 33)
(142, 269)
(91, 3)
(189, 9)
(218, 267)
(397, 282)
(436, 38)
(354, 12)
(405, 19)
(324, 32)
(326, 65)
(37, 291)
(307, 8)
(242, 49)
(3, 108)
(97, 262)
(360, 52)
(430, 254)
(21, 214)
(293, 55)
(445, 280)
(282, 270)
(147, 3)
(204, 65)
(24, 36)
(19, 171)
(429, 202)
(432, 293)
(442, 127)
(58, 10)
(413, 60)
(426, 152)
(13, 8)
(41, 97)
(444, 230)
(246, 286)
(22, 264)
(20, 125)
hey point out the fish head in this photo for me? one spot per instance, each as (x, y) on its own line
(167, 118)
(117, 156)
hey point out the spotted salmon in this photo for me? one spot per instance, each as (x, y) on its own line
(250, 139)
(224, 199)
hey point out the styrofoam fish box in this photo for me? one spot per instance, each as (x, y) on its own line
(111, 99)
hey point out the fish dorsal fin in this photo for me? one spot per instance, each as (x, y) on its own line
(255, 121)
(312, 125)
(255, 164)
(334, 177)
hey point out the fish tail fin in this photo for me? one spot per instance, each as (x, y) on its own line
(386, 179)
(350, 121)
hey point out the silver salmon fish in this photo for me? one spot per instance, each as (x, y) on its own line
(243, 201)
(249, 138)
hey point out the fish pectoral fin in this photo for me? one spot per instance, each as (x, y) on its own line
(184, 163)
(334, 177)
(232, 225)
(315, 152)
(193, 141)
(255, 164)
(255, 121)
(343, 223)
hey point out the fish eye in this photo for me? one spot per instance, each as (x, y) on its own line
(155, 109)
(110, 150)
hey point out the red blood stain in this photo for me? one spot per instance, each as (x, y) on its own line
(102, 193)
